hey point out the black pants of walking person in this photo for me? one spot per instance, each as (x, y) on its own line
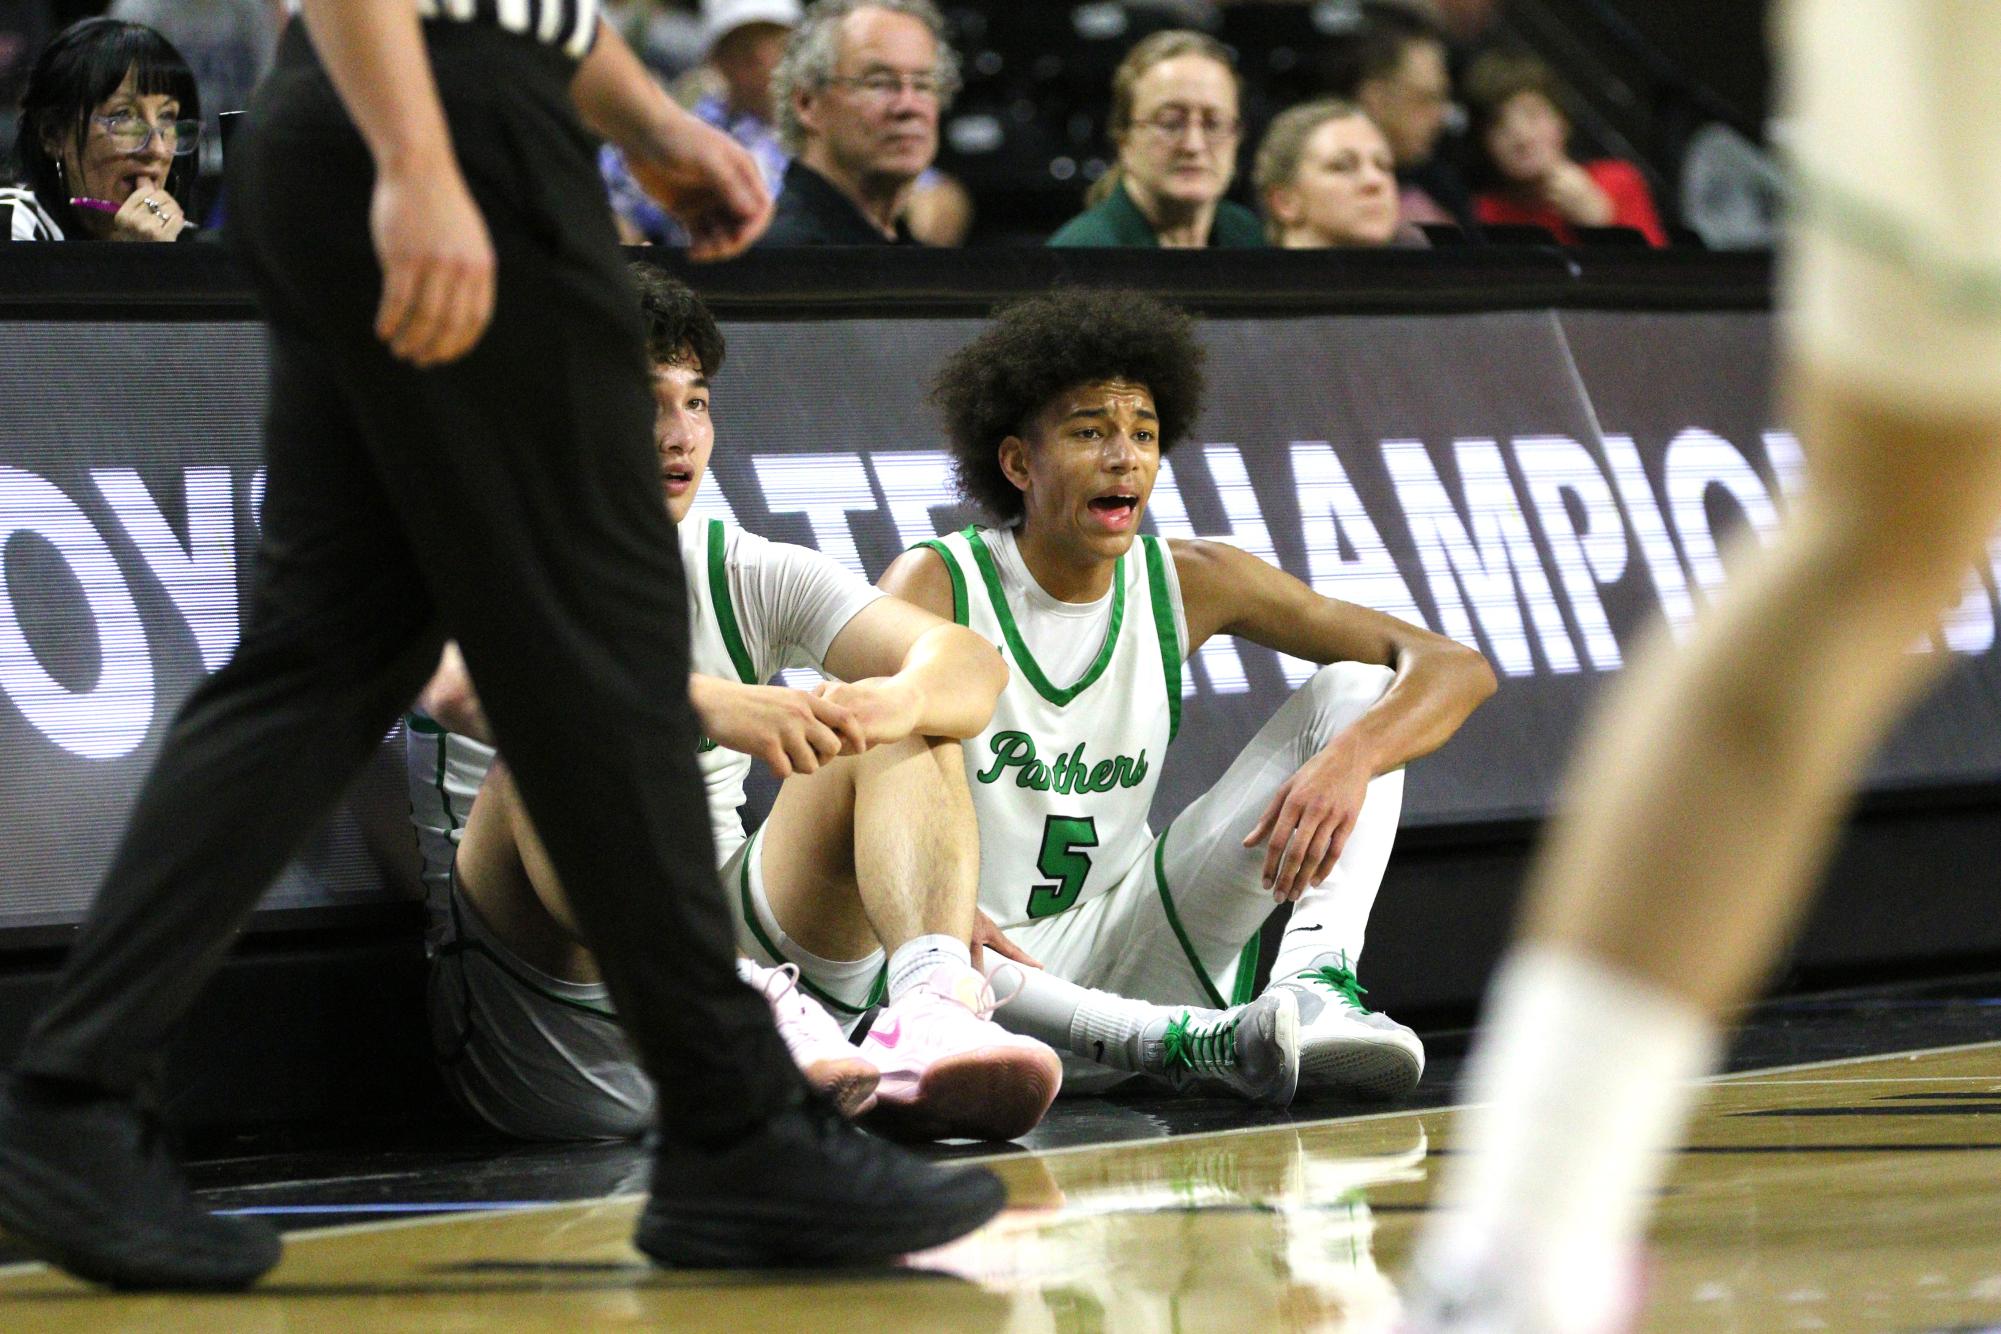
(510, 500)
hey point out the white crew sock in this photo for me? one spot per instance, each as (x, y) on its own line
(1096, 1025)
(915, 959)
(1584, 1077)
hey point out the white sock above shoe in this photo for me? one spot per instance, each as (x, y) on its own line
(1095, 1025)
(915, 960)
(1582, 1080)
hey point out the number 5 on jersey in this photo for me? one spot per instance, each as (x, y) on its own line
(1061, 861)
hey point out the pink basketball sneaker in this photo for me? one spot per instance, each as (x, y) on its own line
(832, 1065)
(949, 1071)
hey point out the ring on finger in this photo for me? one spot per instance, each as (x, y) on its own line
(153, 206)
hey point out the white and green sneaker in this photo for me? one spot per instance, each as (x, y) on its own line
(1249, 1050)
(1344, 1046)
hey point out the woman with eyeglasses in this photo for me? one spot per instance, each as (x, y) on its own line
(1176, 121)
(110, 121)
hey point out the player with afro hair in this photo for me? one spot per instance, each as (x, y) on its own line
(991, 388)
(1145, 948)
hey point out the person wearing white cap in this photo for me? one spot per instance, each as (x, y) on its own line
(743, 40)
(746, 39)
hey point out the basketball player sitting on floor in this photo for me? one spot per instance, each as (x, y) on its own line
(1058, 415)
(875, 807)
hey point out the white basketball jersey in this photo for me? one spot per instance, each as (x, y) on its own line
(1063, 777)
(716, 647)
(445, 770)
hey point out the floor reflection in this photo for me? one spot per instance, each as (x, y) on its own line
(1266, 1231)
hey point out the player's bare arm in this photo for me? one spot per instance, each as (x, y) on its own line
(792, 731)
(1438, 684)
(437, 258)
(700, 174)
(905, 671)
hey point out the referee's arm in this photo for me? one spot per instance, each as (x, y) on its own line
(700, 174)
(437, 259)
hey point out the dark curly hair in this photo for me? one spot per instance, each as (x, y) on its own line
(676, 320)
(994, 386)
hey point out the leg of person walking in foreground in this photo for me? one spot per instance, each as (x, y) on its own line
(1707, 798)
(1708, 794)
(452, 459)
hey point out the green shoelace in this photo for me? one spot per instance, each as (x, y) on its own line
(1338, 976)
(1209, 1047)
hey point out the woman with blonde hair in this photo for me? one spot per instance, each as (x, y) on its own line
(1176, 121)
(1325, 176)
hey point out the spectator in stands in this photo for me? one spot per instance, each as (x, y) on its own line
(745, 39)
(1520, 124)
(858, 94)
(227, 43)
(1325, 176)
(1400, 77)
(109, 125)
(1175, 119)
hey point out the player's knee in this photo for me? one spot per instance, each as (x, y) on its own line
(1345, 690)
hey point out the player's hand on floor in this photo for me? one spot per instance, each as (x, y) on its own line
(1308, 821)
(708, 181)
(793, 731)
(437, 264)
(986, 934)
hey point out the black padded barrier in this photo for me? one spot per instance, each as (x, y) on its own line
(1536, 450)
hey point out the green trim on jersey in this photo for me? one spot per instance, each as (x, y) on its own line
(1241, 992)
(990, 574)
(878, 991)
(429, 727)
(719, 594)
(1163, 626)
(960, 612)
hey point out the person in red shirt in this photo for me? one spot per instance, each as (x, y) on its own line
(1520, 125)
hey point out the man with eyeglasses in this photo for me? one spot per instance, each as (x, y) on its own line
(1399, 74)
(858, 95)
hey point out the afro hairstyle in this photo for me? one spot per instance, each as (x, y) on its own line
(1034, 350)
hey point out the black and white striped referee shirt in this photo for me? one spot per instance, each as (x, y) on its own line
(567, 24)
(22, 218)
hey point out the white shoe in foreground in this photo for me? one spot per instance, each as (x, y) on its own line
(834, 1067)
(949, 1071)
(1344, 1046)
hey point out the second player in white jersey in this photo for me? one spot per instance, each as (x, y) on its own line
(755, 609)
(840, 895)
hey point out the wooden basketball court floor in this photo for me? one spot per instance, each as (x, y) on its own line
(1861, 1193)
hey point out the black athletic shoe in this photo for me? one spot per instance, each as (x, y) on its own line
(88, 1183)
(806, 1189)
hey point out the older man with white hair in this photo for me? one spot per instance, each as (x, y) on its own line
(858, 95)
